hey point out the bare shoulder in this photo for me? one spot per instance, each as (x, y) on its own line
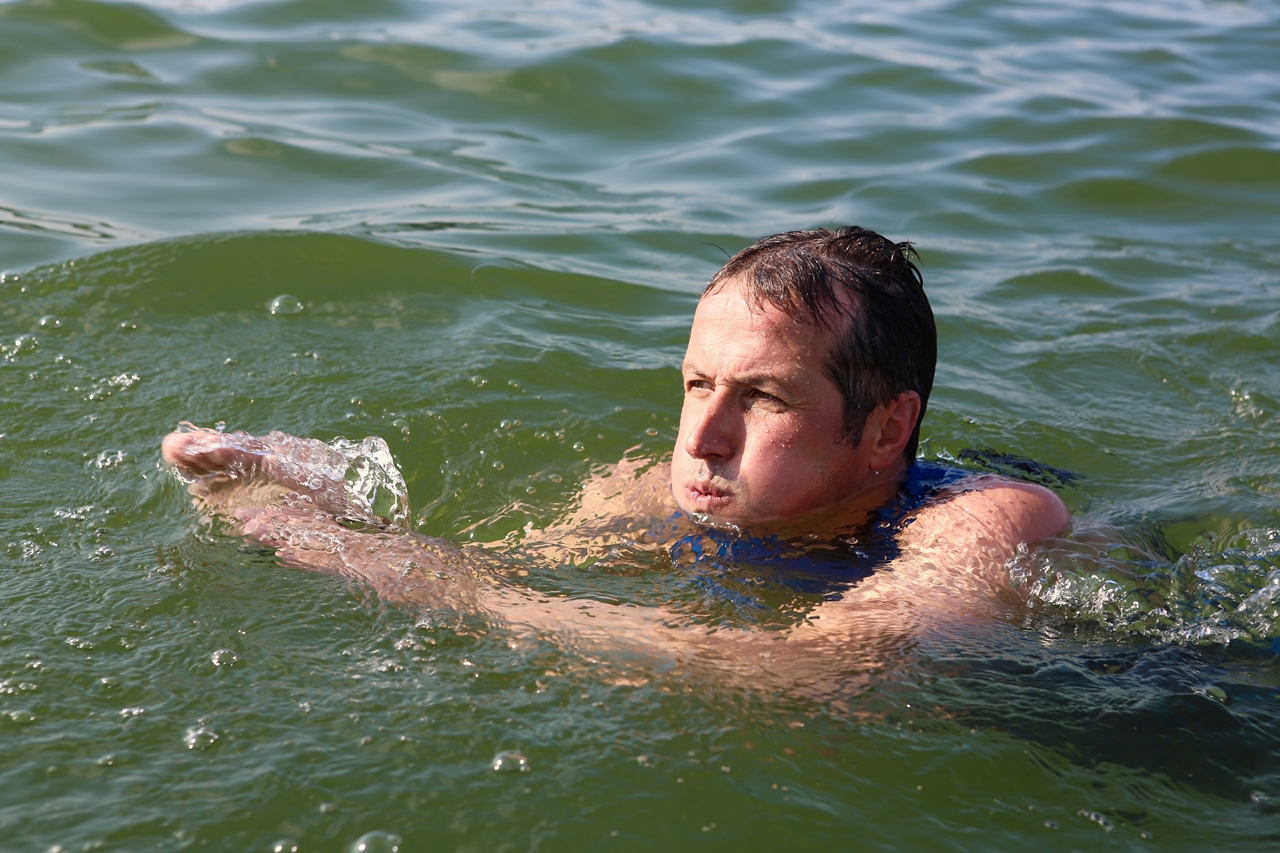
(630, 489)
(616, 504)
(993, 512)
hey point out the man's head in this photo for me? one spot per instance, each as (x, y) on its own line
(809, 365)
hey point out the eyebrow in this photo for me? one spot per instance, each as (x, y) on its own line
(751, 380)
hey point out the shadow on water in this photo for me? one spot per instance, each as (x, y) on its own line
(1207, 718)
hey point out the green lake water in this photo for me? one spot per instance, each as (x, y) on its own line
(496, 218)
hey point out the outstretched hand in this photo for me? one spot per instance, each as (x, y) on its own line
(234, 471)
(298, 496)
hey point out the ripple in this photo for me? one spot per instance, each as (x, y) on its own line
(121, 27)
(1256, 167)
(62, 225)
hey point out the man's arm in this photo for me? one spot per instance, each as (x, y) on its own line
(953, 559)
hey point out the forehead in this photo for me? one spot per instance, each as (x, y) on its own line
(729, 325)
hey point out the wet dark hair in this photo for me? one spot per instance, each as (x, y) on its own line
(863, 287)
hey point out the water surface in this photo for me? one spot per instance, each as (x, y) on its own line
(497, 220)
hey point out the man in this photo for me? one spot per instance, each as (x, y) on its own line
(809, 366)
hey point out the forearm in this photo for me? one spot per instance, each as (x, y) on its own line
(404, 568)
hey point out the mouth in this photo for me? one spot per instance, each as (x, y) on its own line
(705, 497)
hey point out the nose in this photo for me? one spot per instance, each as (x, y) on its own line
(714, 432)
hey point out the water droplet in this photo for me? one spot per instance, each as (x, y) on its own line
(224, 657)
(285, 845)
(511, 761)
(22, 716)
(49, 321)
(285, 304)
(200, 737)
(376, 842)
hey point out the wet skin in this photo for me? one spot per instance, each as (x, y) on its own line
(761, 431)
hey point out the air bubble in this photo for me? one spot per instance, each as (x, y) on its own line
(579, 446)
(25, 343)
(22, 716)
(285, 304)
(511, 761)
(49, 321)
(376, 842)
(285, 845)
(200, 737)
(224, 657)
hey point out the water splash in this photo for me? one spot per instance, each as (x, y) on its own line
(200, 737)
(374, 483)
(1220, 591)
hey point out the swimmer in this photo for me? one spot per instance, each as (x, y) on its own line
(807, 374)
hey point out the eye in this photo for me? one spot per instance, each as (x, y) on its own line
(766, 400)
(697, 385)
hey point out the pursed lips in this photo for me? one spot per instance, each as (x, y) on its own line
(705, 496)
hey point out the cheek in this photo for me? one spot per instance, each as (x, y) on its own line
(795, 450)
(775, 449)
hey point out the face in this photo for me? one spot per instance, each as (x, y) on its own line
(760, 431)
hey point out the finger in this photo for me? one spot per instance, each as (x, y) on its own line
(206, 451)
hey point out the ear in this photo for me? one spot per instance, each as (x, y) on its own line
(889, 428)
